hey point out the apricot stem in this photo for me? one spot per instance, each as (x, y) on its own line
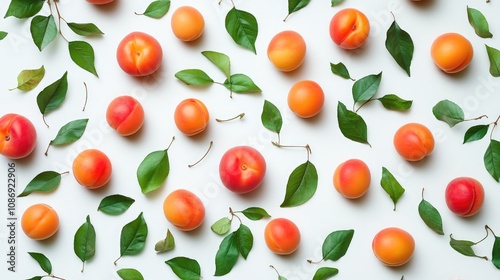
(240, 116)
(86, 96)
(206, 153)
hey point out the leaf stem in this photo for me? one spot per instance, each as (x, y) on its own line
(206, 153)
(362, 104)
(233, 214)
(495, 123)
(307, 147)
(240, 116)
(476, 118)
(59, 19)
(271, 266)
(171, 141)
(116, 261)
(86, 96)
(44, 121)
(55, 277)
(488, 228)
(47, 150)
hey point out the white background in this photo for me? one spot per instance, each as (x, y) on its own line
(474, 89)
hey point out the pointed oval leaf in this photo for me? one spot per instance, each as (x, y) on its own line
(400, 45)
(464, 247)
(221, 226)
(351, 124)
(324, 273)
(30, 78)
(85, 29)
(336, 244)
(478, 22)
(115, 204)
(391, 186)
(336, 2)
(220, 60)
(185, 268)
(153, 171)
(43, 30)
(365, 88)
(84, 241)
(475, 133)
(296, 5)
(194, 77)
(51, 97)
(166, 244)
(243, 28)
(24, 8)
(448, 112)
(495, 253)
(271, 117)
(70, 132)
(301, 186)
(133, 236)
(36, 278)
(431, 217)
(340, 69)
(494, 57)
(492, 159)
(42, 260)
(82, 55)
(241, 83)
(157, 9)
(46, 181)
(226, 255)
(129, 274)
(255, 213)
(394, 102)
(244, 238)
(3, 34)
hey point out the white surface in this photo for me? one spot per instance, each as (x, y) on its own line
(474, 89)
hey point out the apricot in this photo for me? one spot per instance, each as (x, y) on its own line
(191, 116)
(125, 115)
(282, 236)
(99, 2)
(464, 196)
(413, 141)
(40, 221)
(184, 210)
(187, 23)
(349, 28)
(306, 99)
(17, 136)
(451, 52)
(287, 50)
(352, 178)
(92, 168)
(393, 246)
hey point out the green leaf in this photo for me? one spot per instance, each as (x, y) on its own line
(129, 274)
(301, 186)
(46, 181)
(43, 261)
(324, 273)
(494, 57)
(479, 23)
(448, 112)
(82, 55)
(394, 102)
(339, 69)
(391, 186)
(194, 77)
(185, 268)
(3, 34)
(24, 8)
(495, 254)
(30, 78)
(243, 28)
(271, 117)
(166, 244)
(133, 237)
(430, 215)
(336, 2)
(464, 247)
(241, 83)
(85, 29)
(351, 124)
(157, 9)
(220, 60)
(70, 132)
(475, 133)
(296, 5)
(221, 226)
(336, 244)
(255, 213)
(51, 97)
(84, 241)
(365, 88)
(153, 171)
(115, 204)
(43, 31)
(36, 278)
(244, 239)
(400, 46)
(227, 255)
(492, 159)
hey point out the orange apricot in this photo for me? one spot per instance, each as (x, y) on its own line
(40, 221)
(349, 28)
(282, 236)
(184, 210)
(413, 141)
(125, 115)
(191, 116)
(187, 23)
(92, 168)
(352, 178)
(451, 52)
(287, 50)
(306, 99)
(393, 246)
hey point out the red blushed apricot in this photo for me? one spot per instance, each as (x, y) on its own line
(125, 115)
(139, 54)
(187, 23)
(92, 168)
(413, 141)
(393, 246)
(451, 52)
(352, 178)
(282, 236)
(99, 2)
(306, 99)
(464, 196)
(184, 210)
(17, 136)
(40, 221)
(349, 28)
(191, 116)
(287, 50)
